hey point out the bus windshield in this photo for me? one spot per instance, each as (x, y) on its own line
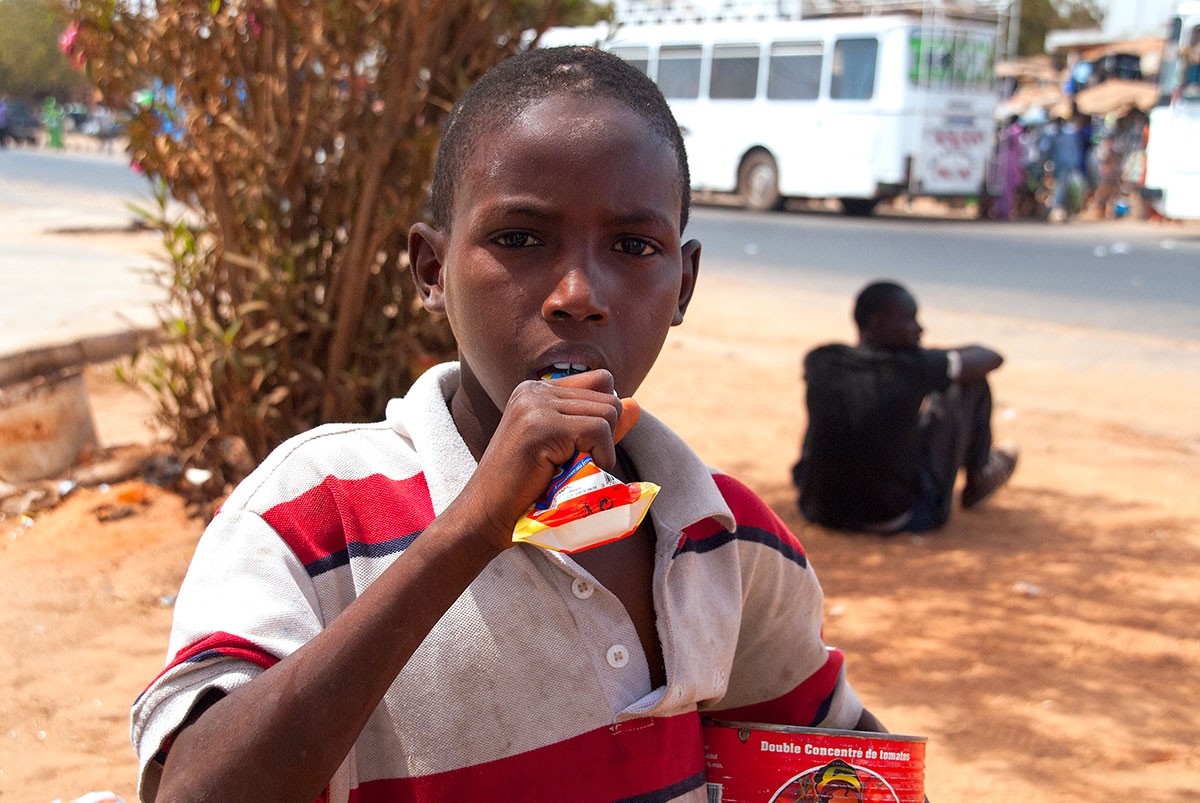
(1189, 57)
(1179, 75)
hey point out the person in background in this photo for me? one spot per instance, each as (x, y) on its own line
(4, 134)
(1120, 140)
(891, 423)
(1062, 141)
(103, 126)
(1009, 166)
(53, 117)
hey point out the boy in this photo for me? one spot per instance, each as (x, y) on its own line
(890, 424)
(357, 624)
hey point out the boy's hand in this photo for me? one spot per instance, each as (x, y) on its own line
(544, 424)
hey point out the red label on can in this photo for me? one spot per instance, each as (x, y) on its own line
(755, 763)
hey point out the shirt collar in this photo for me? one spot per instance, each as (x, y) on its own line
(687, 492)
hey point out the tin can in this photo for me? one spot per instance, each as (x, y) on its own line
(45, 424)
(750, 762)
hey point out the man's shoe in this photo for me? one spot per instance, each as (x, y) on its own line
(982, 484)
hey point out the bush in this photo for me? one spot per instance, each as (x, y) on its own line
(300, 137)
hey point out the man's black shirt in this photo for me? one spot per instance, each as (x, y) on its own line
(859, 465)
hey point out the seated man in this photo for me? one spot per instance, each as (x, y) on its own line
(891, 423)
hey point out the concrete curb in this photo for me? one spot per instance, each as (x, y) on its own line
(99, 348)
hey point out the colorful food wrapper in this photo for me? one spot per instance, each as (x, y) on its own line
(585, 506)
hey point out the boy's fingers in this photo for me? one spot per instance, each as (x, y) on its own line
(631, 411)
(598, 380)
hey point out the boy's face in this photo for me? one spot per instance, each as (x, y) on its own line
(895, 325)
(564, 247)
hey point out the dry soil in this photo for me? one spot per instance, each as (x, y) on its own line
(1046, 644)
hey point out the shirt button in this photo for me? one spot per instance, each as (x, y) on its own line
(618, 656)
(582, 589)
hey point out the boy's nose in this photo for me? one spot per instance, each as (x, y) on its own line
(575, 297)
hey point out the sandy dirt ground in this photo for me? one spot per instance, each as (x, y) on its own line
(1046, 644)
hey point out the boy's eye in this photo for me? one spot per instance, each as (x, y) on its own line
(516, 239)
(636, 246)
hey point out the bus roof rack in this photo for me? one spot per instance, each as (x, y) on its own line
(649, 12)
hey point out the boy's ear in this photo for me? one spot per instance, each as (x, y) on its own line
(690, 257)
(426, 256)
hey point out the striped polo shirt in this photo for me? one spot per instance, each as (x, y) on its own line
(533, 687)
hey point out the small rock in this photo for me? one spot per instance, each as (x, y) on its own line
(197, 476)
(162, 470)
(113, 512)
(99, 797)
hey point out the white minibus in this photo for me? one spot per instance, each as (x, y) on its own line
(1172, 181)
(861, 108)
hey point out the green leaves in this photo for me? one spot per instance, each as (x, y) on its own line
(1039, 17)
(31, 62)
(298, 138)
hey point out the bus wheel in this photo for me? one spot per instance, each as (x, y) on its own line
(858, 207)
(758, 182)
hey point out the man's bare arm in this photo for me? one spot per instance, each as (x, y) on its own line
(977, 362)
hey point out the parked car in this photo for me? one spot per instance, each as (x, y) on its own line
(23, 124)
(103, 124)
(77, 115)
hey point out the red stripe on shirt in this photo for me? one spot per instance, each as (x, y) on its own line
(806, 705)
(705, 528)
(748, 509)
(324, 519)
(612, 763)
(226, 645)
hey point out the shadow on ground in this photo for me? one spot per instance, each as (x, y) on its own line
(1054, 634)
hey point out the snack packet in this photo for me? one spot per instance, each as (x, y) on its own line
(585, 506)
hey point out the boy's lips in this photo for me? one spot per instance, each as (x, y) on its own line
(569, 361)
(564, 369)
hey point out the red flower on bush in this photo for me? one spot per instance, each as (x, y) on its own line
(69, 44)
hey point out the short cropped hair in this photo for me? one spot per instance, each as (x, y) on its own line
(873, 298)
(513, 85)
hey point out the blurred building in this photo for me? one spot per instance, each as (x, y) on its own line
(1101, 70)
(1133, 28)
(1133, 19)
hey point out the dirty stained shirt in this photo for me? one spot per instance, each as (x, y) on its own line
(533, 686)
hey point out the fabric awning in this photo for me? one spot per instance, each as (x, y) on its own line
(1115, 95)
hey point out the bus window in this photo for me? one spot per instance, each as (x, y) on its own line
(794, 72)
(981, 57)
(970, 60)
(933, 59)
(637, 56)
(853, 69)
(679, 71)
(734, 72)
(1191, 66)
(961, 61)
(1169, 72)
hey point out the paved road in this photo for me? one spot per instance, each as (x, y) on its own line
(1123, 276)
(58, 288)
(65, 187)
(1120, 275)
